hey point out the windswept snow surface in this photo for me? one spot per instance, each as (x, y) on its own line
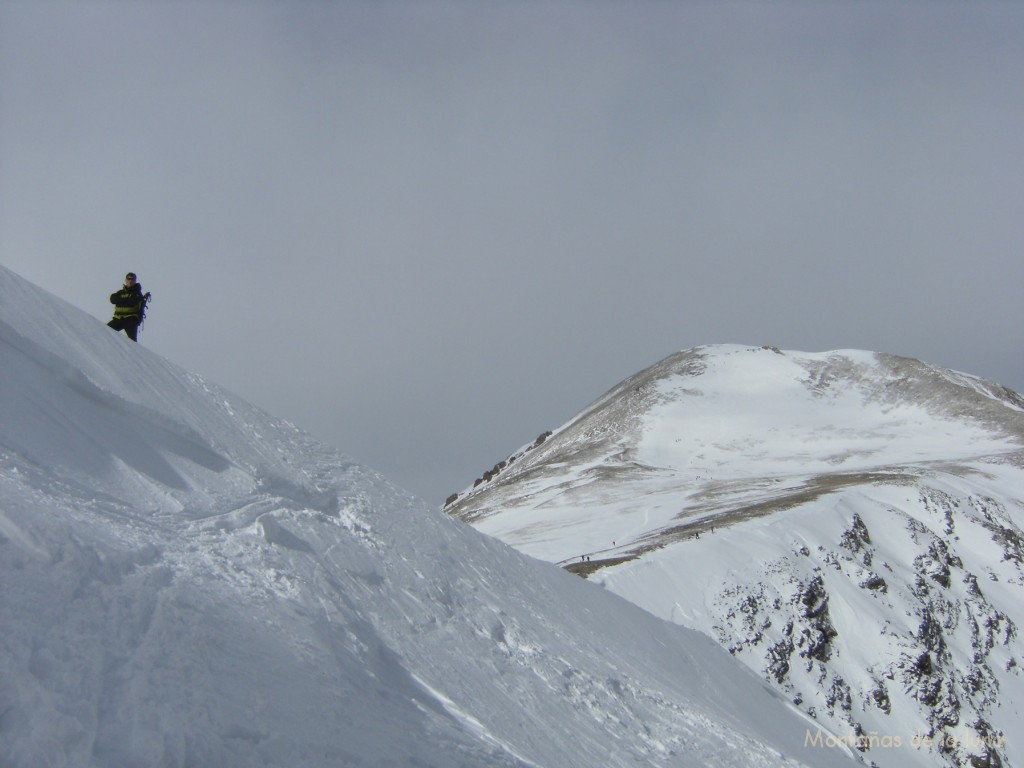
(848, 524)
(187, 581)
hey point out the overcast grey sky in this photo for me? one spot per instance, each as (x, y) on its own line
(428, 231)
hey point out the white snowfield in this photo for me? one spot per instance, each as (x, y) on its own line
(186, 581)
(847, 524)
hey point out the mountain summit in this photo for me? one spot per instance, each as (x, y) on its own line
(848, 524)
(188, 581)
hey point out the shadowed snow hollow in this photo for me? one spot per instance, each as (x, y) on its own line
(188, 581)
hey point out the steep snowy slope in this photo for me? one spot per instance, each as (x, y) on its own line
(189, 582)
(848, 524)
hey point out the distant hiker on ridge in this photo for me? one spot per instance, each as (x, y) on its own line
(129, 307)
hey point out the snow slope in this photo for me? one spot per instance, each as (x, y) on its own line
(187, 581)
(847, 524)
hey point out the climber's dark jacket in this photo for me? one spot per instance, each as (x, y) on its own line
(127, 302)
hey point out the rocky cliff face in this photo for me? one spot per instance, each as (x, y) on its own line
(847, 524)
(919, 649)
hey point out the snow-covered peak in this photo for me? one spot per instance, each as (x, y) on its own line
(728, 417)
(189, 581)
(849, 524)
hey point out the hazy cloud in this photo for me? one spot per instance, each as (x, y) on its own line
(426, 232)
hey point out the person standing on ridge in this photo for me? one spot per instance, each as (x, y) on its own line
(129, 307)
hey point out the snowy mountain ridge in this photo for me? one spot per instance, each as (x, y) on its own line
(188, 581)
(848, 524)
